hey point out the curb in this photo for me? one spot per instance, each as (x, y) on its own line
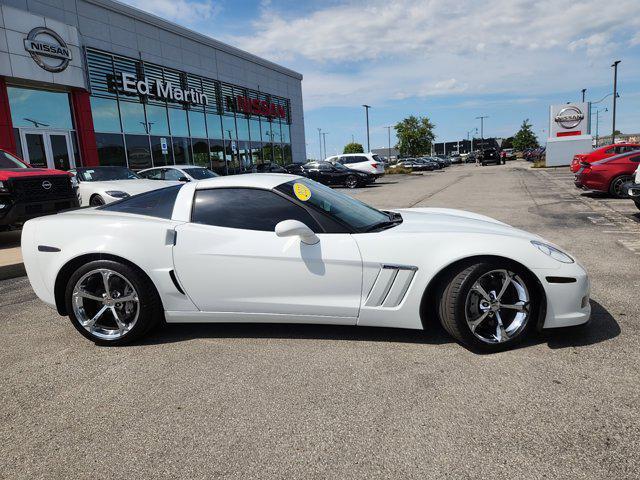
(12, 271)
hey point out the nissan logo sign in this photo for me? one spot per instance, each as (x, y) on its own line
(47, 49)
(569, 117)
(46, 185)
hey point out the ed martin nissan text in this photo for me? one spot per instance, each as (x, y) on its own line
(282, 248)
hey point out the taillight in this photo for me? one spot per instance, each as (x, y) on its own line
(374, 165)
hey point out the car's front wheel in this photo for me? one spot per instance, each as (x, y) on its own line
(112, 303)
(96, 201)
(615, 188)
(488, 306)
(351, 181)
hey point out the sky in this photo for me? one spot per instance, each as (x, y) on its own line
(450, 61)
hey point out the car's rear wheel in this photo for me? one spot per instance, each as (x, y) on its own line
(351, 181)
(96, 201)
(112, 303)
(615, 187)
(488, 306)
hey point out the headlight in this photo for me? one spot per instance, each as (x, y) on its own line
(4, 188)
(553, 252)
(117, 194)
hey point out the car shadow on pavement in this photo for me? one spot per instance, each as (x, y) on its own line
(190, 331)
(601, 328)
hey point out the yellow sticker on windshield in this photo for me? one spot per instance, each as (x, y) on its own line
(302, 191)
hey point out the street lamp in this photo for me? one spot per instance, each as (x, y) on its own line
(324, 140)
(584, 90)
(597, 113)
(615, 96)
(389, 145)
(320, 142)
(481, 118)
(475, 132)
(366, 109)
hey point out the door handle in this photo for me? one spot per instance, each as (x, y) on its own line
(171, 238)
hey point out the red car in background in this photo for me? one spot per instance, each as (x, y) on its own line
(602, 153)
(608, 175)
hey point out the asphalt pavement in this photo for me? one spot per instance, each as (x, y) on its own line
(265, 401)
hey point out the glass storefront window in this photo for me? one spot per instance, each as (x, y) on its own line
(39, 108)
(138, 152)
(133, 120)
(286, 153)
(182, 151)
(243, 128)
(197, 126)
(200, 152)
(159, 157)
(267, 153)
(229, 128)
(157, 120)
(277, 154)
(216, 155)
(214, 125)
(254, 130)
(268, 135)
(111, 149)
(286, 136)
(178, 122)
(105, 115)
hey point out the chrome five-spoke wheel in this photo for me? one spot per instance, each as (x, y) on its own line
(105, 304)
(497, 306)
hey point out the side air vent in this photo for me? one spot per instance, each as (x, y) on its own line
(175, 281)
(391, 286)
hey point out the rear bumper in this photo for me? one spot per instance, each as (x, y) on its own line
(21, 212)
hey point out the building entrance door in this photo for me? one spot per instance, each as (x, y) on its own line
(47, 148)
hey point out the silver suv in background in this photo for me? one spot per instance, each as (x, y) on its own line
(365, 162)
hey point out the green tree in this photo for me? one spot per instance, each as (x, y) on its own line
(507, 143)
(525, 138)
(415, 136)
(353, 148)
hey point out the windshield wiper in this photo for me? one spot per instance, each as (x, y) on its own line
(394, 219)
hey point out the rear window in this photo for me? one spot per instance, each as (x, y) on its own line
(157, 203)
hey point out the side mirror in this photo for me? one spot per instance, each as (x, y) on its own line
(183, 179)
(294, 228)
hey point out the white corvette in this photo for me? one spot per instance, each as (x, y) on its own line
(281, 248)
(101, 185)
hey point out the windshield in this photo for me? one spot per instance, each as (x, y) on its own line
(102, 174)
(9, 161)
(199, 173)
(346, 210)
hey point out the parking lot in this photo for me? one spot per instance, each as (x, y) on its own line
(265, 401)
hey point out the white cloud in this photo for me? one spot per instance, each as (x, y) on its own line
(178, 10)
(362, 50)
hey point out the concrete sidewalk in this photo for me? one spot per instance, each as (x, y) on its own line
(10, 255)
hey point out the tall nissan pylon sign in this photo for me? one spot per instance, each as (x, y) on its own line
(569, 132)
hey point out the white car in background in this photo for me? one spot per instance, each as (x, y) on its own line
(365, 162)
(280, 248)
(101, 185)
(178, 173)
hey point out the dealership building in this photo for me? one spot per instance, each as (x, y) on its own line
(96, 82)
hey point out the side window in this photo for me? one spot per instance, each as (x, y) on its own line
(172, 174)
(609, 150)
(325, 168)
(155, 174)
(347, 160)
(362, 159)
(246, 208)
(635, 158)
(156, 203)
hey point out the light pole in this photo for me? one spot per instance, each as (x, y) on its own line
(481, 118)
(366, 109)
(597, 113)
(389, 144)
(320, 142)
(474, 131)
(615, 96)
(324, 141)
(584, 90)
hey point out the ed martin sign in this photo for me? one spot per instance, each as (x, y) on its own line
(48, 49)
(162, 90)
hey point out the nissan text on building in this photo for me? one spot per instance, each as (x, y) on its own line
(96, 82)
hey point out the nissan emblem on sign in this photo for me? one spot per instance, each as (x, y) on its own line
(569, 119)
(48, 49)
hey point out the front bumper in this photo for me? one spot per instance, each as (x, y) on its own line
(567, 290)
(633, 190)
(17, 213)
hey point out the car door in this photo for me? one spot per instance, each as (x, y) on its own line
(229, 259)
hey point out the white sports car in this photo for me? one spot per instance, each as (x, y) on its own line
(281, 248)
(101, 185)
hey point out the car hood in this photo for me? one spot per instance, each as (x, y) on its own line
(447, 220)
(132, 187)
(6, 174)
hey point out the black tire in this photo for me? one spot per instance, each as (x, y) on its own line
(637, 202)
(351, 181)
(150, 306)
(453, 304)
(96, 201)
(615, 187)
